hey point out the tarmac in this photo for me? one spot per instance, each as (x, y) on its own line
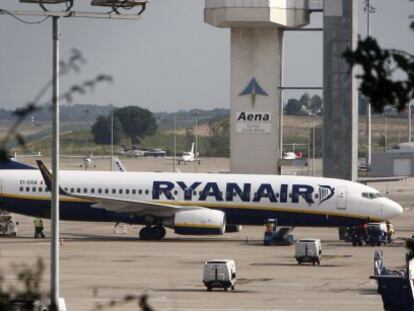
(98, 265)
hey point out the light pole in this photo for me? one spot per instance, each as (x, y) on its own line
(369, 9)
(175, 143)
(196, 142)
(112, 140)
(409, 122)
(313, 148)
(116, 6)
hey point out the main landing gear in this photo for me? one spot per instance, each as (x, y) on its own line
(152, 233)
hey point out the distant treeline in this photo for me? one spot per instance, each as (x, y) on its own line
(90, 112)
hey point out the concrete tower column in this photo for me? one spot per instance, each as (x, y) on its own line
(254, 128)
(340, 118)
(256, 64)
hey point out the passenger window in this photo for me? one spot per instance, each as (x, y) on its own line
(113, 191)
(195, 192)
(93, 190)
(21, 189)
(78, 190)
(127, 191)
(147, 191)
(106, 191)
(140, 191)
(175, 192)
(99, 190)
(27, 189)
(40, 189)
(72, 190)
(34, 189)
(120, 191)
(85, 190)
(134, 191)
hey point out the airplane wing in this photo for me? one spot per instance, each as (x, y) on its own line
(133, 207)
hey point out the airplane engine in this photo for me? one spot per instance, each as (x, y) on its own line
(200, 222)
(233, 228)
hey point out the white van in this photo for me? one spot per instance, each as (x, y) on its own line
(220, 273)
(308, 250)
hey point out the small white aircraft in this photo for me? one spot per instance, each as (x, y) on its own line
(16, 156)
(195, 204)
(290, 155)
(86, 160)
(188, 156)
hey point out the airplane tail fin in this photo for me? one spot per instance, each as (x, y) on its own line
(47, 177)
(192, 148)
(118, 165)
(13, 165)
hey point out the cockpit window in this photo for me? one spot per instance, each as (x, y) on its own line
(371, 195)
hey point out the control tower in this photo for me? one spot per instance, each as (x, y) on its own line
(256, 70)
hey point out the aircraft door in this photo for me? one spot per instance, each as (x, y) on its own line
(341, 198)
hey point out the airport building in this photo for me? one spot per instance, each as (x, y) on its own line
(393, 163)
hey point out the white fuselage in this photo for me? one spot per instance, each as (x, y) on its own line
(245, 199)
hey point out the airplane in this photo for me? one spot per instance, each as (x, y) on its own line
(142, 152)
(131, 153)
(87, 159)
(290, 155)
(16, 156)
(192, 203)
(188, 156)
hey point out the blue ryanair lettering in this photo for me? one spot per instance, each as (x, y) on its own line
(304, 191)
(211, 189)
(162, 187)
(188, 191)
(242, 191)
(233, 188)
(284, 193)
(265, 191)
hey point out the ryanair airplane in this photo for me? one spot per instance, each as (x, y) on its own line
(193, 204)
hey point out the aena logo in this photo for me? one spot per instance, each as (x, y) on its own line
(253, 89)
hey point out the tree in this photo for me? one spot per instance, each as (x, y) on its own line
(305, 100)
(101, 130)
(137, 122)
(219, 139)
(293, 107)
(379, 81)
(316, 104)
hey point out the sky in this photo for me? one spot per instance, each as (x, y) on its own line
(168, 60)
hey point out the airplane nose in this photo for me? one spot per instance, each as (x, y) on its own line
(394, 209)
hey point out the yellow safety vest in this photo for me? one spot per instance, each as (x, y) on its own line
(38, 222)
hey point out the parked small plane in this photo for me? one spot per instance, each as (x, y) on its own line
(193, 204)
(16, 156)
(188, 156)
(290, 155)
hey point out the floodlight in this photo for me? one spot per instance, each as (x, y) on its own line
(69, 3)
(121, 4)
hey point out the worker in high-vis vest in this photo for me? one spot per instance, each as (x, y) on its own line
(38, 226)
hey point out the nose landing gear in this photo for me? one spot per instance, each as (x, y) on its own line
(152, 233)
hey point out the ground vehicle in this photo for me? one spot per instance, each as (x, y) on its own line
(275, 235)
(7, 226)
(220, 273)
(376, 234)
(358, 235)
(309, 250)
